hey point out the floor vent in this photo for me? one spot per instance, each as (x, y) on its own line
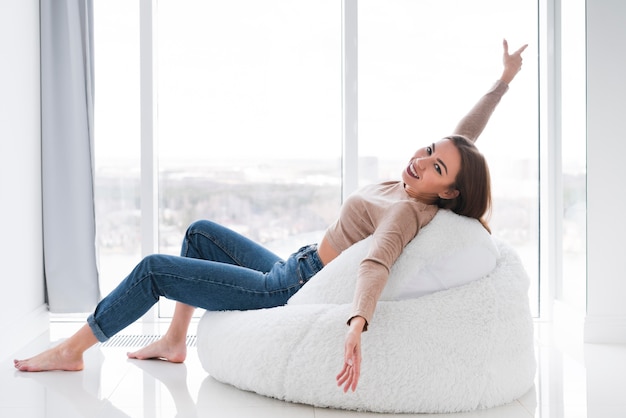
(139, 341)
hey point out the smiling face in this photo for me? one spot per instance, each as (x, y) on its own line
(432, 172)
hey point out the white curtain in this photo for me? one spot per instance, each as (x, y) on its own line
(67, 97)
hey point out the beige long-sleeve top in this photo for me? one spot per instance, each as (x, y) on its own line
(393, 218)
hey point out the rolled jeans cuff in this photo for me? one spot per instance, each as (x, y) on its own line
(95, 328)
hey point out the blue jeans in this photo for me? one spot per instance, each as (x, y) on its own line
(218, 269)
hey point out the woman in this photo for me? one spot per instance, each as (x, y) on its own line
(222, 270)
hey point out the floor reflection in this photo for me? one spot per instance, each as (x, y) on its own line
(77, 394)
(174, 379)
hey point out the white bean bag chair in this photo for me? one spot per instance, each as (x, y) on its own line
(459, 349)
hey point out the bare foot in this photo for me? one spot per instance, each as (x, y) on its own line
(56, 358)
(164, 349)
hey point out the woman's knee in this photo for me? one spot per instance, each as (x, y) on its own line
(200, 226)
(154, 263)
(156, 269)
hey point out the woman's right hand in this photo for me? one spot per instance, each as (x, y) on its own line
(349, 375)
(512, 62)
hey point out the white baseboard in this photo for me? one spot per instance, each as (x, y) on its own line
(604, 329)
(17, 332)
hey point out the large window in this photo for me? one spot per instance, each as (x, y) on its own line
(249, 121)
(422, 66)
(117, 150)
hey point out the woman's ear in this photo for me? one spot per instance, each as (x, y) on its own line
(449, 194)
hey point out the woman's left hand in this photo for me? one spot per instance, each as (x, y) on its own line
(349, 375)
(512, 62)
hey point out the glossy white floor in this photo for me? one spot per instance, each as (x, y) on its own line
(573, 381)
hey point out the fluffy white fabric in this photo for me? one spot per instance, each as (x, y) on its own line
(459, 349)
(449, 251)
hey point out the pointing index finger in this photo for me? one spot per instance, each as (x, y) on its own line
(522, 48)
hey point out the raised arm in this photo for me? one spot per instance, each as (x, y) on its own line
(473, 124)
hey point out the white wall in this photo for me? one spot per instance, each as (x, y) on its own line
(606, 152)
(23, 314)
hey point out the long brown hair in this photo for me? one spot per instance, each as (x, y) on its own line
(473, 183)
